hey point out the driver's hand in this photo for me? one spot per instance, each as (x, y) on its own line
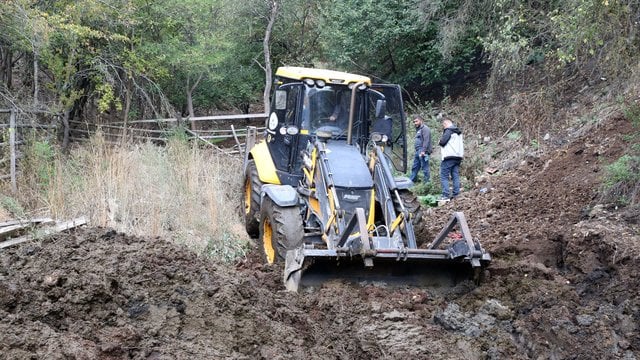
(332, 118)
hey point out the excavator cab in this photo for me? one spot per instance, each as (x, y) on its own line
(307, 100)
(322, 187)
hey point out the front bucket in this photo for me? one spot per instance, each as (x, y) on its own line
(313, 271)
(445, 262)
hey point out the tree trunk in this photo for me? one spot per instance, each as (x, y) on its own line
(190, 90)
(66, 129)
(9, 70)
(3, 63)
(127, 107)
(36, 84)
(6, 64)
(267, 55)
(190, 110)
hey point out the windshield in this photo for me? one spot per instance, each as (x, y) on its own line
(326, 108)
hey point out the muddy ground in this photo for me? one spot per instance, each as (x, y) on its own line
(563, 284)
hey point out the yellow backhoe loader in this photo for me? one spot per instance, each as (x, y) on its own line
(321, 191)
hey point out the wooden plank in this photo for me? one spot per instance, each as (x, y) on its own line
(48, 231)
(120, 129)
(8, 231)
(200, 138)
(200, 118)
(27, 221)
(29, 126)
(94, 127)
(229, 117)
(66, 225)
(109, 134)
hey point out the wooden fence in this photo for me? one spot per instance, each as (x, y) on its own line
(225, 132)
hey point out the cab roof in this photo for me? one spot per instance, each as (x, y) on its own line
(329, 76)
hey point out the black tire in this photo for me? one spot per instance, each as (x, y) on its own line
(280, 230)
(251, 200)
(413, 206)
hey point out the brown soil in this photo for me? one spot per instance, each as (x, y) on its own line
(563, 284)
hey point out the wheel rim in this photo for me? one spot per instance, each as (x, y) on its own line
(267, 241)
(247, 196)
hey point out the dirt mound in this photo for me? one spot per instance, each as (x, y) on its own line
(567, 266)
(563, 284)
(98, 294)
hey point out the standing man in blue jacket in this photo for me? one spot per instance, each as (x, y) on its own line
(423, 149)
(452, 154)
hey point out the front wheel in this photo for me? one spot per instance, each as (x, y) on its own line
(251, 199)
(281, 230)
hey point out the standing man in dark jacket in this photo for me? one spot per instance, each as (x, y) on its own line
(452, 154)
(423, 150)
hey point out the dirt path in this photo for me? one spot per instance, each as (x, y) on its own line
(563, 285)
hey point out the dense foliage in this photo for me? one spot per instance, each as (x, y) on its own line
(400, 41)
(139, 59)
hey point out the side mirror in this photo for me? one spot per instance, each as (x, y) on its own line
(381, 108)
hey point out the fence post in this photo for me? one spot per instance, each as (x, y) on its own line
(12, 145)
(249, 143)
(235, 137)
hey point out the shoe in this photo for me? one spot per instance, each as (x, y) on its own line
(443, 199)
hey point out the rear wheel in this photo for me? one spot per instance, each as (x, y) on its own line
(413, 206)
(251, 199)
(280, 230)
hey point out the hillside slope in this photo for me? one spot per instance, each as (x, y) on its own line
(563, 285)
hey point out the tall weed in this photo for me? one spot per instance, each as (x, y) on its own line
(179, 191)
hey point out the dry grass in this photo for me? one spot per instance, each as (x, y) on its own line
(180, 192)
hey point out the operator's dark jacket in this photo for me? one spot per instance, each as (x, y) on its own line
(451, 142)
(423, 140)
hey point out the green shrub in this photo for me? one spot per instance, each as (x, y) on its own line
(428, 200)
(622, 181)
(625, 169)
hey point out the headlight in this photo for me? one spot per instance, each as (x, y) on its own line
(309, 82)
(320, 83)
(360, 87)
(377, 137)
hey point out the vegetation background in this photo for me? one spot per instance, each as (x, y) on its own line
(509, 72)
